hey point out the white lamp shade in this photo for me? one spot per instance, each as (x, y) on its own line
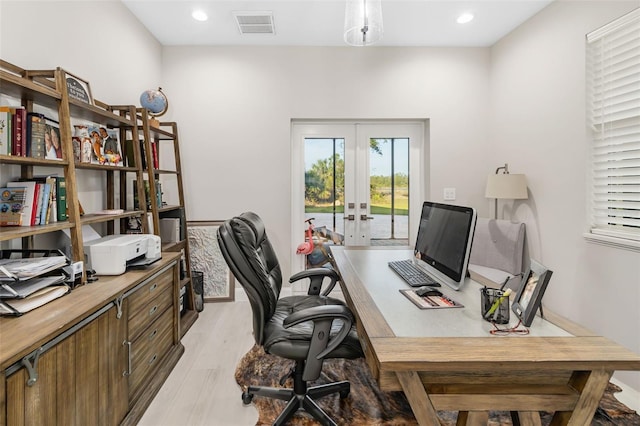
(507, 186)
(363, 22)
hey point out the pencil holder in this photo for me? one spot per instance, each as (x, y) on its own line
(491, 312)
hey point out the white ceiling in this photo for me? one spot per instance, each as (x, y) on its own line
(320, 22)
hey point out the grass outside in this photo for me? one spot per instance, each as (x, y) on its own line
(401, 208)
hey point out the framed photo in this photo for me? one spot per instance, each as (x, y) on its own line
(52, 140)
(206, 257)
(529, 295)
(105, 146)
(78, 88)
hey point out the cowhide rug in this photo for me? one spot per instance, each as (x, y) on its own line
(367, 405)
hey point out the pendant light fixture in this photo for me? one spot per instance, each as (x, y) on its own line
(363, 22)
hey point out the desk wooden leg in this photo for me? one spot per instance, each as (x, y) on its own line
(472, 418)
(418, 398)
(591, 385)
(526, 418)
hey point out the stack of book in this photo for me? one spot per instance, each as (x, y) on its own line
(28, 283)
(28, 134)
(37, 201)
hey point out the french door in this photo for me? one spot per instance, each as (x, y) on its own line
(362, 182)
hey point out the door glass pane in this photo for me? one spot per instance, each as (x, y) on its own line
(324, 182)
(389, 191)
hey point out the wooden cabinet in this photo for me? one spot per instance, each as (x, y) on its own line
(97, 358)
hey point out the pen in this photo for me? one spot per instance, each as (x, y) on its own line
(497, 303)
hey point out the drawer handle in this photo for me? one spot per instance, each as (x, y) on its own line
(153, 334)
(153, 287)
(153, 310)
(128, 371)
(153, 359)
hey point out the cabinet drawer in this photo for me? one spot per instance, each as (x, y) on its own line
(157, 296)
(148, 350)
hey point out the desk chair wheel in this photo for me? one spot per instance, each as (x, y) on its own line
(247, 398)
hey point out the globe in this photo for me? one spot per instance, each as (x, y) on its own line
(154, 101)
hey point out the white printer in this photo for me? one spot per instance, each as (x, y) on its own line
(111, 255)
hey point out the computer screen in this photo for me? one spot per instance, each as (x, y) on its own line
(443, 244)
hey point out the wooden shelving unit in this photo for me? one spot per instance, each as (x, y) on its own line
(47, 88)
(139, 307)
(165, 137)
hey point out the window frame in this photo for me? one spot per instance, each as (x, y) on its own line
(614, 205)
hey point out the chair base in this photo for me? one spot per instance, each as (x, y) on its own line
(299, 400)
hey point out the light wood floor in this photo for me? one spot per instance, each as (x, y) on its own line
(201, 390)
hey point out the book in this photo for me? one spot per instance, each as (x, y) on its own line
(35, 139)
(31, 198)
(17, 307)
(51, 208)
(12, 202)
(39, 203)
(19, 132)
(154, 153)
(61, 201)
(46, 194)
(5, 131)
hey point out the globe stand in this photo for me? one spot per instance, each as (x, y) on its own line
(154, 123)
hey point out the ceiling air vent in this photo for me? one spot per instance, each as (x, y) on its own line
(255, 22)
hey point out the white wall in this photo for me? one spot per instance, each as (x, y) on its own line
(99, 41)
(538, 124)
(235, 104)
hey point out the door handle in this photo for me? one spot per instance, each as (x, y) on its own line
(365, 217)
(350, 217)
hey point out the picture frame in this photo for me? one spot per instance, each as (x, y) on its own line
(106, 148)
(529, 296)
(78, 88)
(206, 257)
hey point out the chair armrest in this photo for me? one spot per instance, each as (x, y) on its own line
(320, 345)
(317, 276)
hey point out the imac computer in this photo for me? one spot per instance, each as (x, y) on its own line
(443, 244)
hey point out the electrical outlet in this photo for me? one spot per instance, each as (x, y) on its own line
(449, 194)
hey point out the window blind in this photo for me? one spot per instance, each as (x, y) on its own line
(613, 104)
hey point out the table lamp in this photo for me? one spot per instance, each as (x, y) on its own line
(506, 186)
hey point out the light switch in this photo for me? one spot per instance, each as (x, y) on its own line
(449, 194)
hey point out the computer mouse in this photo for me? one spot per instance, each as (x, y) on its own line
(428, 291)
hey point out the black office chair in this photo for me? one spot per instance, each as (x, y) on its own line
(306, 328)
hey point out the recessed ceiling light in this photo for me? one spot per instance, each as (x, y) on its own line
(464, 18)
(199, 15)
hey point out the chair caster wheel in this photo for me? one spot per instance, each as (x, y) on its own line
(247, 398)
(344, 394)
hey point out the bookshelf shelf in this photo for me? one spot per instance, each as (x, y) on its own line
(88, 219)
(28, 161)
(15, 232)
